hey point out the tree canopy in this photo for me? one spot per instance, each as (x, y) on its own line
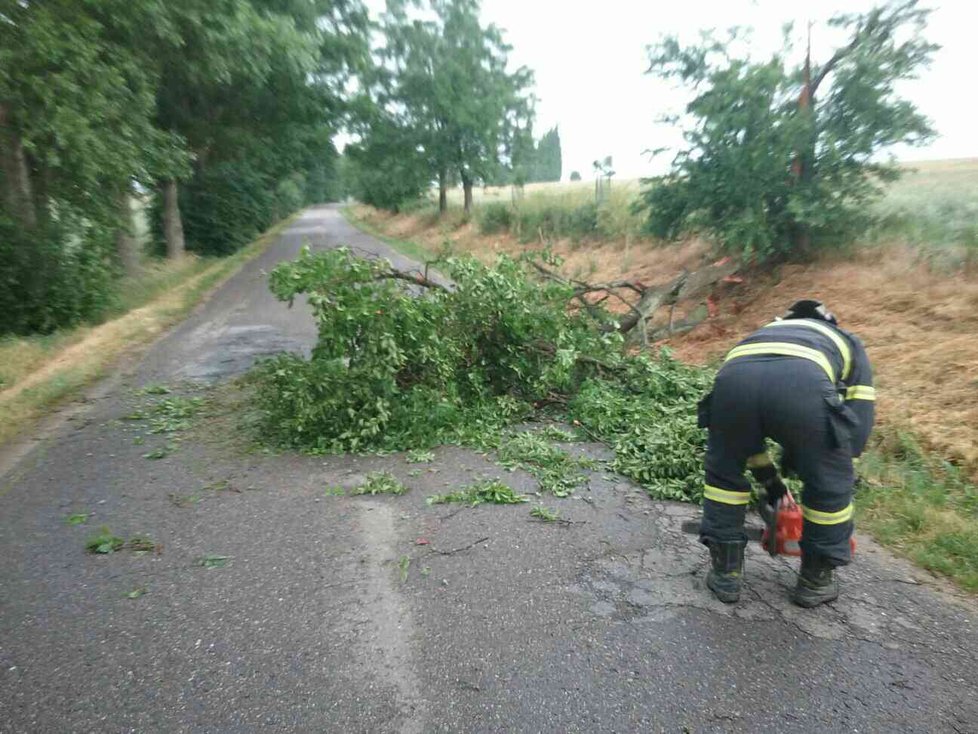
(227, 107)
(442, 78)
(784, 153)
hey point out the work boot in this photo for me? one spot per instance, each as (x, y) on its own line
(724, 578)
(816, 583)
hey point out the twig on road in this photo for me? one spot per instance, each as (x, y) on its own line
(470, 546)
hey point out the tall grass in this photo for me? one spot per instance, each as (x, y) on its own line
(556, 210)
(933, 207)
(921, 506)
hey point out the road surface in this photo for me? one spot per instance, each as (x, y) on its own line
(349, 614)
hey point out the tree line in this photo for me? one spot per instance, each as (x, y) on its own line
(222, 114)
(222, 110)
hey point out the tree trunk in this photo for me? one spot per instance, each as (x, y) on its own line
(172, 223)
(125, 242)
(467, 188)
(442, 191)
(801, 166)
(17, 196)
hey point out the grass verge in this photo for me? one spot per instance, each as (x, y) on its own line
(40, 372)
(922, 507)
(409, 249)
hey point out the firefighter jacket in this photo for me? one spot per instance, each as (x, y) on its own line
(841, 357)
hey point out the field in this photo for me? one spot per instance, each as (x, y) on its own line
(933, 207)
(908, 289)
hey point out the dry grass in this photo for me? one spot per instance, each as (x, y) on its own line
(40, 372)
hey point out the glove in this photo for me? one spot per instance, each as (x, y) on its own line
(775, 490)
(768, 478)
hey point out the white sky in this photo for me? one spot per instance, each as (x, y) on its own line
(589, 60)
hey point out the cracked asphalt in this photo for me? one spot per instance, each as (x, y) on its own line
(369, 614)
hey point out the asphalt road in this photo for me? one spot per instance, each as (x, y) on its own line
(347, 614)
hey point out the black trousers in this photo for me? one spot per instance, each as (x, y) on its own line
(791, 401)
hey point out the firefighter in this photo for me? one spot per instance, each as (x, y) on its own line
(806, 384)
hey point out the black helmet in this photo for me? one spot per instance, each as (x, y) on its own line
(809, 308)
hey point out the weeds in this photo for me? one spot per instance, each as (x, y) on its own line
(544, 514)
(419, 456)
(104, 542)
(142, 544)
(404, 565)
(79, 518)
(487, 491)
(925, 508)
(172, 415)
(380, 482)
(556, 471)
(136, 593)
(561, 435)
(213, 561)
(160, 453)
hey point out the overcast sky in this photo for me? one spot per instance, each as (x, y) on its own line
(589, 59)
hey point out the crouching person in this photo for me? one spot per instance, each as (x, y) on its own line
(806, 384)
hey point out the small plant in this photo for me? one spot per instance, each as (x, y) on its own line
(184, 500)
(104, 542)
(79, 518)
(171, 415)
(561, 435)
(142, 544)
(160, 453)
(487, 491)
(380, 482)
(556, 470)
(136, 593)
(544, 514)
(404, 565)
(213, 561)
(335, 491)
(419, 456)
(155, 389)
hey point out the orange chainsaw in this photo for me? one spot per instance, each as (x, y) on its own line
(781, 534)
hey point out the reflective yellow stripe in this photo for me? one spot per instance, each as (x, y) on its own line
(831, 333)
(861, 392)
(827, 518)
(783, 349)
(726, 496)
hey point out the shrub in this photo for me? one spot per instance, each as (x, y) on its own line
(50, 280)
(495, 217)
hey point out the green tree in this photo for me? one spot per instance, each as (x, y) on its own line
(255, 89)
(575, 176)
(76, 133)
(547, 164)
(782, 155)
(448, 78)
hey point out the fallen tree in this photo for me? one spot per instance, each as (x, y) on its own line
(408, 359)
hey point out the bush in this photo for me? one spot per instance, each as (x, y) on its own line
(557, 219)
(399, 369)
(50, 280)
(495, 217)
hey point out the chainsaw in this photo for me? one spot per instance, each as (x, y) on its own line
(781, 534)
